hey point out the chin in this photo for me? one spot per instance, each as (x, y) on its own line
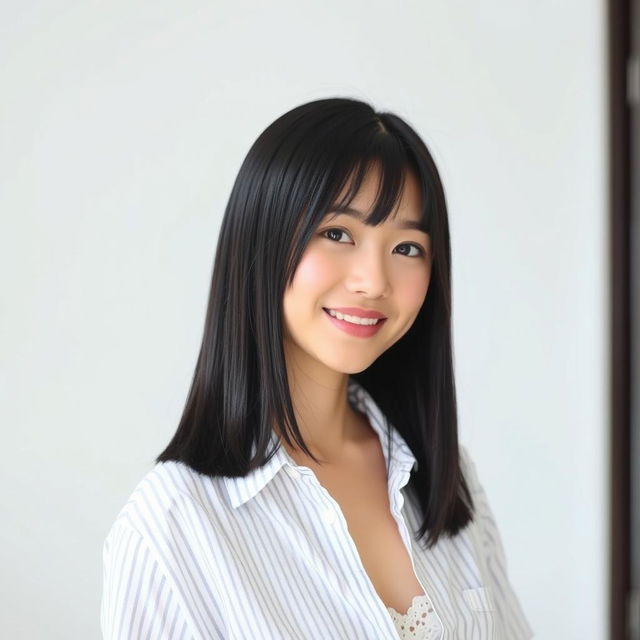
(350, 368)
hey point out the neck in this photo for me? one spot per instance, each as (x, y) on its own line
(330, 427)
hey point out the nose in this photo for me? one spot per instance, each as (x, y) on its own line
(368, 275)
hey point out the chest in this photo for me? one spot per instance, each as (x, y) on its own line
(361, 491)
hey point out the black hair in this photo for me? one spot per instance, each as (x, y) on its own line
(289, 180)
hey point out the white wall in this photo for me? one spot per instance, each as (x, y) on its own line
(122, 126)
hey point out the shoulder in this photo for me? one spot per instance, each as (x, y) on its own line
(153, 554)
(166, 499)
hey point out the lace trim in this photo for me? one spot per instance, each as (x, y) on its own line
(419, 623)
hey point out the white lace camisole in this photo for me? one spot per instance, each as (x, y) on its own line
(419, 623)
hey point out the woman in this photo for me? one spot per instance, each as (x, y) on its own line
(315, 487)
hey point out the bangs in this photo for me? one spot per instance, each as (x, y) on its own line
(391, 170)
(331, 172)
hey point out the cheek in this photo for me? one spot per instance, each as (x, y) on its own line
(414, 290)
(313, 272)
(313, 277)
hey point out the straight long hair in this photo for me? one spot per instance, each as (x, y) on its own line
(288, 181)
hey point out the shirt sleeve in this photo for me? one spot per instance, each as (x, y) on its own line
(508, 607)
(137, 599)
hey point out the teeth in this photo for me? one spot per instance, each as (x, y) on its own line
(353, 319)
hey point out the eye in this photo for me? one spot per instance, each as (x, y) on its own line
(332, 230)
(419, 250)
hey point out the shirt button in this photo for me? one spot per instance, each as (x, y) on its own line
(294, 473)
(330, 516)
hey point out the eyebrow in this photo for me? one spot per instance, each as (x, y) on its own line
(402, 224)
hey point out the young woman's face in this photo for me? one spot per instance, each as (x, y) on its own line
(350, 264)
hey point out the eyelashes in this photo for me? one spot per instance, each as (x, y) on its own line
(421, 251)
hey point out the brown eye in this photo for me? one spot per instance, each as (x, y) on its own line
(413, 246)
(336, 231)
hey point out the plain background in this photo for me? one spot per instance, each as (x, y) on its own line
(122, 127)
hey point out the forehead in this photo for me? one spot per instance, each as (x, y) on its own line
(406, 194)
(406, 212)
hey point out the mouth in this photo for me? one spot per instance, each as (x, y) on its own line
(364, 329)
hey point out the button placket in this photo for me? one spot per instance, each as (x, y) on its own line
(396, 501)
(404, 531)
(333, 516)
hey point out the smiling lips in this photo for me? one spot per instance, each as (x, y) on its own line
(352, 323)
(356, 311)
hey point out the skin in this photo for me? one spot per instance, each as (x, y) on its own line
(355, 266)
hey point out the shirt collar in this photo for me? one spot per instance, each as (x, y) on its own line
(242, 489)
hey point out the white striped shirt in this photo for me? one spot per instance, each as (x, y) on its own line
(269, 556)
